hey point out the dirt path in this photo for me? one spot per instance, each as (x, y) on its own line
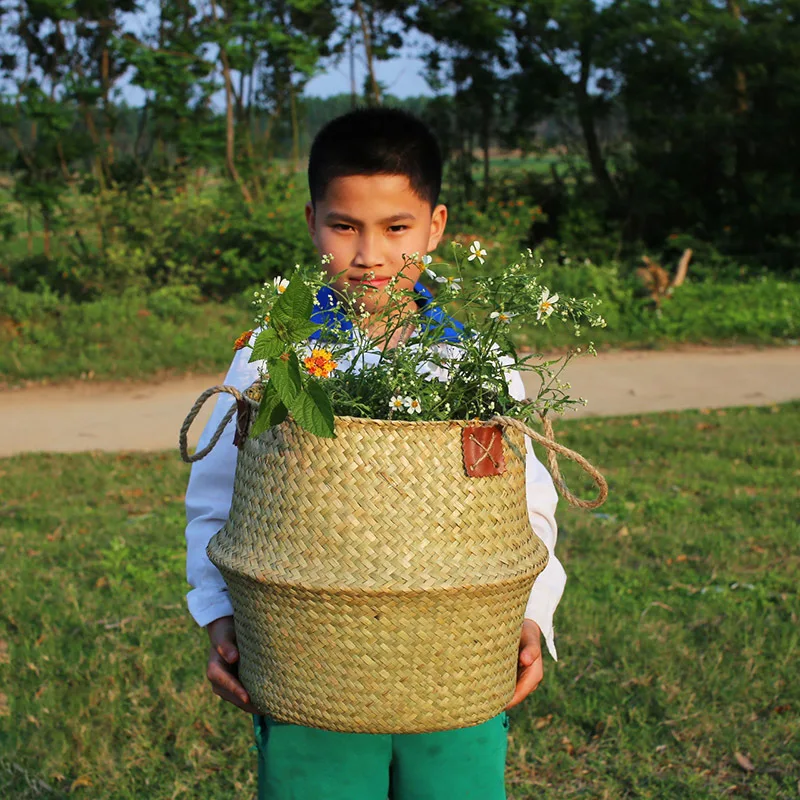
(147, 416)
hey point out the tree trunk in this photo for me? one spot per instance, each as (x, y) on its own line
(353, 91)
(62, 162)
(140, 132)
(365, 32)
(230, 140)
(740, 83)
(104, 69)
(99, 162)
(485, 143)
(267, 135)
(295, 127)
(46, 232)
(586, 118)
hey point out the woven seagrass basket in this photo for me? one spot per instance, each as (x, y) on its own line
(376, 587)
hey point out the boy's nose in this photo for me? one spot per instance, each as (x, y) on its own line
(369, 253)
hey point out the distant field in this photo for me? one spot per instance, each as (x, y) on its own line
(677, 635)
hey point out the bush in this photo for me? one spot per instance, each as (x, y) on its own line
(502, 224)
(171, 234)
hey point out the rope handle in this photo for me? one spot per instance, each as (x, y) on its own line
(241, 401)
(554, 449)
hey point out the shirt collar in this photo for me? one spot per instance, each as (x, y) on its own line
(326, 313)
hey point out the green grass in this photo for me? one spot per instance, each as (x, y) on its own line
(130, 337)
(136, 336)
(677, 635)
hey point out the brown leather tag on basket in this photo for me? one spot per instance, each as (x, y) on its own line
(483, 450)
(242, 423)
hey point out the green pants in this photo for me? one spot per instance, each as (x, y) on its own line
(300, 763)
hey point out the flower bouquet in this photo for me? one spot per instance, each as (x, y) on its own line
(378, 550)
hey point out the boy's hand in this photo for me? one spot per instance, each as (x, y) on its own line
(222, 670)
(531, 667)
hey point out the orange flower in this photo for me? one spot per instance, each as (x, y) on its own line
(320, 363)
(242, 340)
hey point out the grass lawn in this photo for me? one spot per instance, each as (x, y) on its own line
(136, 335)
(677, 635)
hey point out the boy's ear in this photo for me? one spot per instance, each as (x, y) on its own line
(311, 221)
(438, 223)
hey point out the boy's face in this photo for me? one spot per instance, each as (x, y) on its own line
(368, 223)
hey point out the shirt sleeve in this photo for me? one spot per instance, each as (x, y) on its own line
(542, 500)
(208, 501)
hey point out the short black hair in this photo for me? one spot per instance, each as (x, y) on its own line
(376, 141)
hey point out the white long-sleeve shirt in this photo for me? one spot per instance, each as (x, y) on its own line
(208, 502)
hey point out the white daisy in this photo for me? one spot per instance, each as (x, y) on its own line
(546, 304)
(397, 403)
(453, 283)
(476, 251)
(413, 405)
(281, 284)
(502, 316)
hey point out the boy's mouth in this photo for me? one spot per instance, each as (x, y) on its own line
(371, 282)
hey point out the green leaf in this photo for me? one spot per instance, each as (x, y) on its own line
(312, 411)
(295, 304)
(271, 411)
(299, 332)
(267, 345)
(285, 374)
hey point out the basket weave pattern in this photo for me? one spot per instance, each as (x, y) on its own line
(377, 588)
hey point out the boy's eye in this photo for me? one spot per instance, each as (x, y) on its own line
(398, 228)
(341, 226)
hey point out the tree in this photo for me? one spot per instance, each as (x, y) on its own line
(472, 57)
(562, 51)
(178, 80)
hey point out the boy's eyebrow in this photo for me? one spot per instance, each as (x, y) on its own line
(341, 217)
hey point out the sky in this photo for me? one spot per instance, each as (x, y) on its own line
(402, 77)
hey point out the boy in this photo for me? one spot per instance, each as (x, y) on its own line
(374, 180)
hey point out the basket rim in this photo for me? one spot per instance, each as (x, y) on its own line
(452, 423)
(460, 423)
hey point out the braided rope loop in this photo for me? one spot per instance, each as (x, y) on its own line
(554, 449)
(187, 423)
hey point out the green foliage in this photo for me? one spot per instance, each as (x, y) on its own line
(677, 633)
(47, 337)
(404, 365)
(173, 233)
(503, 223)
(288, 388)
(271, 411)
(655, 110)
(312, 410)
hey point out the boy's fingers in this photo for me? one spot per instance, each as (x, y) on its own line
(524, 688)
(235, 700)
(222, 633)
(228, 652)
(527, 681)
(221, 671)
(530, 645)
(221, 678)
